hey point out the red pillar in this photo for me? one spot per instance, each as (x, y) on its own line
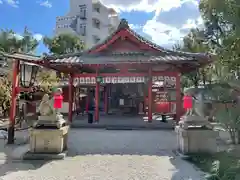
(106, 99)
(97, 98)
(70, 98)
(13, 101)
(178, 98)
(150, 95)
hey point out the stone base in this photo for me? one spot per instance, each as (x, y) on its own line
(51, 121)
(193, 120)
(48, 140)
(43, 156)
(196, 140)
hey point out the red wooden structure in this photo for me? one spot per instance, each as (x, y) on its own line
(124, 57)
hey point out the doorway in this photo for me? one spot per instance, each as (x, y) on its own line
(125, 99)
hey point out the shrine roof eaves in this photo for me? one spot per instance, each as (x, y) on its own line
(120, 57)
(132, 57)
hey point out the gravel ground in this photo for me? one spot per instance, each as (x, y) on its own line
(109, 155)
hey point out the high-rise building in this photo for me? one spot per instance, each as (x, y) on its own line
(89, 19)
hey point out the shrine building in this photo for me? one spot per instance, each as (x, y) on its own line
(125, 74)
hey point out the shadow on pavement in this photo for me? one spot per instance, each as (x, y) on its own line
(156, 146)
(10, 156)
(185, 170)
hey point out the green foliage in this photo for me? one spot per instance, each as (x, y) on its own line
(219, 166)
(5, 94)
(11, 42)
(225, 107)
(47, 79)
(194, 42)
(222, 22)
(64, 43)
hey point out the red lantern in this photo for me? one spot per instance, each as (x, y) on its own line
(58, 99)
(187, 102)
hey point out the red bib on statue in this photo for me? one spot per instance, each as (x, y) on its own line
(187, 102)
(58, 99)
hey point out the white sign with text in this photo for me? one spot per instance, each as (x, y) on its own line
(121, 80)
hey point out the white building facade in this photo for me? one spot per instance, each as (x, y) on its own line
(89, 19)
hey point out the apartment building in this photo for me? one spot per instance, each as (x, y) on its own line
(89, 19)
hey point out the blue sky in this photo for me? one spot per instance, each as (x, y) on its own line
(163, 21)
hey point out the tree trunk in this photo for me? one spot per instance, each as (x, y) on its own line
(238, 136)
(233, 136)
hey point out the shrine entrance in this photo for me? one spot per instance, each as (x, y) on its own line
(127, 99)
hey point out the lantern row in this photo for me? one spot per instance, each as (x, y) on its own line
(119, 80)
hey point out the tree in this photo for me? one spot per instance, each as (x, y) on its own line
(63, 44)
(222, 30)
(194, 42)
(222, 22)
(11, 42)
(47, 80)
(5, 94)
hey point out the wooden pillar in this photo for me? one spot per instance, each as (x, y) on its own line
(15, 84)
(97, 89)
(106, 99)
(70, 98)
(150, 95)
(178, 98)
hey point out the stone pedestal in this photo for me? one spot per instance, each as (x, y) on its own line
(48, 140)
(196, 140)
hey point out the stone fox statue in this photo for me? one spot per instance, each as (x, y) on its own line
(46, 106)
(200, 104)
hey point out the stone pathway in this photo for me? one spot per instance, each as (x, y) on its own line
(109, 155)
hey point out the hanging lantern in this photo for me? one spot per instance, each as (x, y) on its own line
(58, 99)
(28, 73)
(187, 102)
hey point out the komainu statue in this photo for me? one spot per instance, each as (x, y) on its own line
(49, 116)
(45, 107)
(195, 117)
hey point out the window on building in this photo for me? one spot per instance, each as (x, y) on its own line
(96, 8)
(83, 11)
(82, 29)
(96, 23)
(96, 39)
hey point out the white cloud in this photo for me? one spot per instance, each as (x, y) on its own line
(13, 3)
(162, 28)
(145, 5)
(38, 37)
(161, 33)
(1, 2)
(193, 23)
(45, 4)
(135, 26)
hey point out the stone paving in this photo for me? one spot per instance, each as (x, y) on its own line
(109, 155)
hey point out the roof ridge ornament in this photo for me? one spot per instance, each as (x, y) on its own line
(123, 24)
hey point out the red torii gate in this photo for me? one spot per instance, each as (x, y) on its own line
(122, 54)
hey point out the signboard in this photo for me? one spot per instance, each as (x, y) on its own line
(160, 101)
(120, 80)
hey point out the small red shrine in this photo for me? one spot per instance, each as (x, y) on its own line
(125, 62)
